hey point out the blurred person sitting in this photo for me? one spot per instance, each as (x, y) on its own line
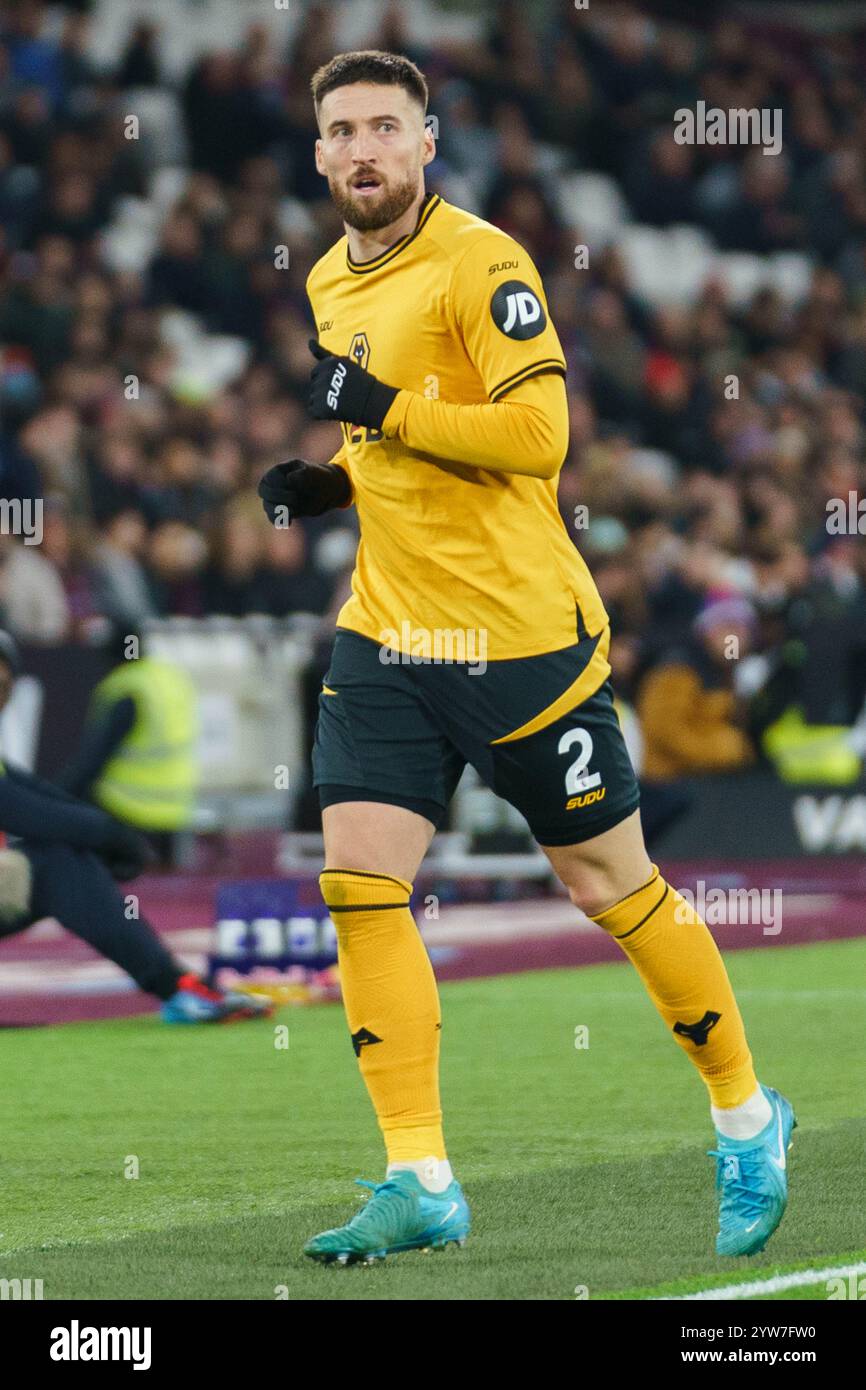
(66, 543)
(176, 276)
(617, 356)
(176, 555)
(73, 207)
(660, 180)
(183, 492)
(686, 704)
(229, 584)
(232, 305)
(32, 600)
(19, 474)
(815, 684)
(66, 858)
(227, 117)
(137, 757)
(122, 590)
(289, 581)
(27, 124)
(52, 439)
(115, 469)
(36, 310)
(139, 65)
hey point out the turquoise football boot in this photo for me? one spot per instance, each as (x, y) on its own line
(401, 1215)
(752, 1180)
(196, 1002)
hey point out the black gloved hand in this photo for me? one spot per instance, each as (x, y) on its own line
(341, 390)
(302, 489)
(125, 852)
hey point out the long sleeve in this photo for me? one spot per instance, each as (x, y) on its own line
(29, 811)
(102, 735)
(497, 309)
(526, 432)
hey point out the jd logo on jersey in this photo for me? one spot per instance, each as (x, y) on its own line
(516, 310)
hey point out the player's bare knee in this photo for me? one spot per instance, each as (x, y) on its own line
(593, 893)
(595, 887)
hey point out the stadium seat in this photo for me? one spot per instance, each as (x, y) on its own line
(790, 273)
(594, 205)
(162, 131)
(166, 185)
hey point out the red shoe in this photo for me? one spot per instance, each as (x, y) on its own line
(196, 1002)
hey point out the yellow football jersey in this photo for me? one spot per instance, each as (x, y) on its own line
(454, 312)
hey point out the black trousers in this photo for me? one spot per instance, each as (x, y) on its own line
(75, 887)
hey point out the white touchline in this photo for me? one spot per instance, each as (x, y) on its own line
(776, 1284)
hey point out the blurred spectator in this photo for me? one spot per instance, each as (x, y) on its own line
(65, 546)
(177, 275)
(229, 584)
(182, 491)
(123, 591)
(686, 704)
(176, 555)
(660, 185)
(139, 64)
(138, 755)
(32, 601)
(290, 581)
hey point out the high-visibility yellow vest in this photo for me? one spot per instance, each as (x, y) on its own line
(811, 752)
(150, 781)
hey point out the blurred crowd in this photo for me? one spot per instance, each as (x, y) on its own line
(694, 497)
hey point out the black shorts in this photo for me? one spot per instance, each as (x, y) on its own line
(401, 732)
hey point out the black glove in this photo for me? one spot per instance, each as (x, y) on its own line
(125, 852)
(341, 390)
(303, 489)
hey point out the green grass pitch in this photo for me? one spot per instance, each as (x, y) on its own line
(585, 1168)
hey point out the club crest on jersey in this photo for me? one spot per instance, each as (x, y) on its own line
(359, 350)
(516, 310)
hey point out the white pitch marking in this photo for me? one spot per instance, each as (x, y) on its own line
(778, 1283)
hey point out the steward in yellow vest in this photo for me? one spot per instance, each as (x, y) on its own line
(138, 755)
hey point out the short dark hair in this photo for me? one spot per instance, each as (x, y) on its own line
(370, 65)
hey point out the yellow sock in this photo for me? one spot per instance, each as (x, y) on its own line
(675, 955)
(392, 1005)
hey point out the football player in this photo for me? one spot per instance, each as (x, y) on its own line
(473, 634)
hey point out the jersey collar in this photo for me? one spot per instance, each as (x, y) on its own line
(428, 207)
